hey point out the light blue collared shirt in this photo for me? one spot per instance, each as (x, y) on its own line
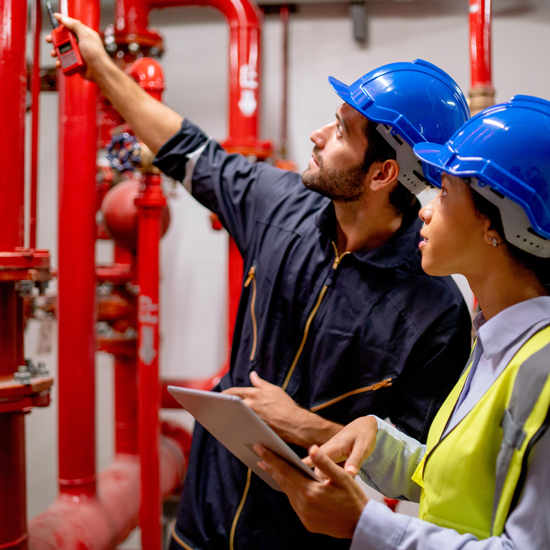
(396, 456)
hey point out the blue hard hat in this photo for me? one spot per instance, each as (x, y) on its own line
(506, 150)
(412, 103)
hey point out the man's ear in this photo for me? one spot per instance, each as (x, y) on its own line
(383, 174)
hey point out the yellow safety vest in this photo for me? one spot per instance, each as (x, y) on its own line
(471, 478)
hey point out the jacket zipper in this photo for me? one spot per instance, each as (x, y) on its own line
(335, 264)
(382, 384)
(252, 279)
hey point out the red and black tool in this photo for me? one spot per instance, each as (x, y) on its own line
(66, 45)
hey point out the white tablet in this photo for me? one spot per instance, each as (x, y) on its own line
(238, 428)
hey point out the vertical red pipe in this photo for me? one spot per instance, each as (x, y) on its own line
(13, 76)
(13, 499)
(482, 93)
(77, 201)
(131, 16)
(13, 519)
(150, 204)
(480, 42)
(9, 354)
(126, 405)
(35, 87)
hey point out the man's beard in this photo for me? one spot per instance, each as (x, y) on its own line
(345, 185)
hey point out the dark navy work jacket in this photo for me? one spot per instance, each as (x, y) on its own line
(372, 335)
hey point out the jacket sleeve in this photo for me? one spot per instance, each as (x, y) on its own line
(432, 368)
(229, 185)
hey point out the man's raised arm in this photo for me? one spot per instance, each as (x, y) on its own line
(151, 120)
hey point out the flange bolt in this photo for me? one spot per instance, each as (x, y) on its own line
(42, 369)
(22, 376)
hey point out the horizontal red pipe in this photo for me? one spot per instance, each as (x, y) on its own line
(104, 521)
(132, 16)
(480, 42)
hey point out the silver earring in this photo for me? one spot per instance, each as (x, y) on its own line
(495, 242)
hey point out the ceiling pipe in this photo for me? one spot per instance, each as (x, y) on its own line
(482, 93)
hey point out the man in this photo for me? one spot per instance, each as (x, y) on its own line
(337, 318)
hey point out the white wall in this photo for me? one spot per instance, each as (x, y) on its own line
(321, 44)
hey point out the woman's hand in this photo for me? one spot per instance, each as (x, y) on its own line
(331, 507)
(352, 445)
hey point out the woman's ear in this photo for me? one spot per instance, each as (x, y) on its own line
(383, 174)
(491, 235)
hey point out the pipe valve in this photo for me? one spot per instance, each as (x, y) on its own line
(124, 152)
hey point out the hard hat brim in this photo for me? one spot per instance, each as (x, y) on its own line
(432, 166)
(343, 91)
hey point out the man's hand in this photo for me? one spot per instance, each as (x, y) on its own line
(289, 421)
(353, 444)
(151, 120)
(89, 42)
(332, 507)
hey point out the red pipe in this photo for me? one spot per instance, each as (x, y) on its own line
(10, 302)
(35, 87)
(13, 75)
(13, 519)
(480, 42)
(104, 521)
(150, 204)
(482, 93)
(126, 405)
(131, 17)
(77, 198)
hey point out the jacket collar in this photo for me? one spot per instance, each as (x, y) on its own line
(400, 250)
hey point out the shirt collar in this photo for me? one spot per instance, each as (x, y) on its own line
(510, 325)
(401, 249)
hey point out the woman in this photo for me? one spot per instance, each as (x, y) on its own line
(483, 478)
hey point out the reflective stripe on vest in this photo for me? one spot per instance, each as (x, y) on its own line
(458, 473)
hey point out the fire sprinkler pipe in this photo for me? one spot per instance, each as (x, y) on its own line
(131, 18)
(13, 502)
(104, 521)
(77, 232)
(13, 75)
(35, 91)
(482, 93)
(150, 204)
